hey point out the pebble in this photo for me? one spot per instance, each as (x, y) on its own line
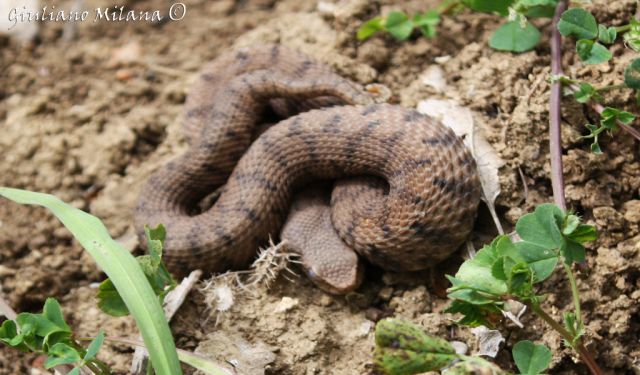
(286, 304)
(385, 293)
(325, 300)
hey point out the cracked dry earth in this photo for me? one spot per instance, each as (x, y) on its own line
(90, 120)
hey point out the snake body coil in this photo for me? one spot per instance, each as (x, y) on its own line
(422, 212)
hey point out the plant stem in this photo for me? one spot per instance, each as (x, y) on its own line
(574, 291)
(103, 366)
(612, 87)
(621, 29)
(555, 141)
(578, 346)
(94, 369)
(557, 183)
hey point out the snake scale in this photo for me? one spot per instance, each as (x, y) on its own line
(416, 206)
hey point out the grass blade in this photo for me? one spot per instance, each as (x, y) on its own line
(123, 270)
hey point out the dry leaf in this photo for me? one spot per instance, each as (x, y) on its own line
(434, 77)
(489, 341)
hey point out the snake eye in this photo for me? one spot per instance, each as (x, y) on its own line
(313, 275)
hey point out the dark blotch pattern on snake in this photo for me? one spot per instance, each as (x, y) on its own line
(416, 208)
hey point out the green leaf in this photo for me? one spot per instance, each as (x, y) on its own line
(595, 147)
(521, 281)
(505, 247)
(541, 226)
(498, 269)
(610, 112)
(474, 315)
(122, 268)
(404, 348)
(578, 23)
(28, 324)
(626, 117)
(536, 8)
(632, 37)
(571, 223)
(489, 6)
(110, 301)
(591, 52)
(607, 35)
(95, 345)
(155, 241)
(53, 313)
(585, 93)
(574, 326)
(610, 115)
(369, 28)
(427, 23)
(509, 257)
(632, 75)
(41, 331)
(608, 118)
(61, 354)
(512, 37)
(572, 251)
(471, 296)
(399, 25)
(54, 338)
(477, 272)
(530, 358)
(9, 335)
(584, 233)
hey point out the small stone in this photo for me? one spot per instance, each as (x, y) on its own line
(385, 293)
(124, 74)
(325, 300)
(363, 329)
(460, 347)
(286, 304)
(373, 314)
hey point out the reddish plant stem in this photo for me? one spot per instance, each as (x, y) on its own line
(557, 178)
(578, 346)
(555, 141)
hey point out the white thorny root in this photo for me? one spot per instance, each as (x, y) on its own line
(221, 291)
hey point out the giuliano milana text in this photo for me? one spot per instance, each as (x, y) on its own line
(176, 12)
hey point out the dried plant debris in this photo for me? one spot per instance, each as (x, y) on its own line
(221, 291)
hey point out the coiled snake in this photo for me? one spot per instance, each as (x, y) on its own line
(416, 208)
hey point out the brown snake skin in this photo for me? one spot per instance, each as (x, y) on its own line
(417, 211)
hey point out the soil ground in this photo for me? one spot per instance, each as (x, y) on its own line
(88, 120)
